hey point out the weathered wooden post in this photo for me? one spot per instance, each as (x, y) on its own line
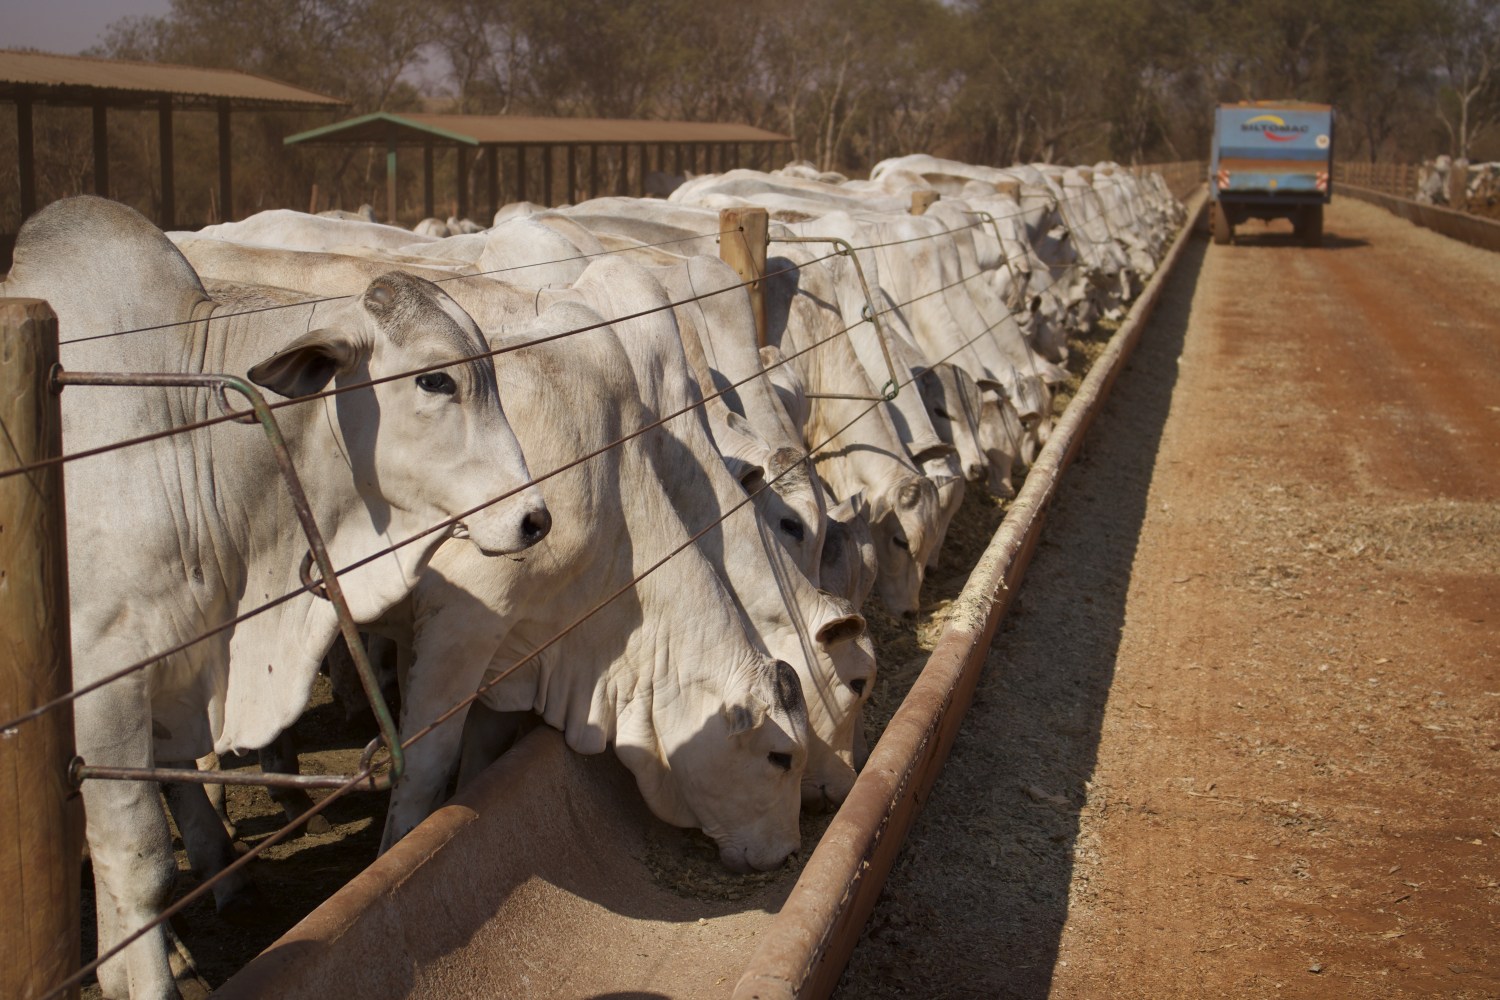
(921, 201)
(742, 245)
(1458, 186)
(40, 811)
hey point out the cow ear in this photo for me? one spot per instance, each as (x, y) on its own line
(841, 629)
(307, 364)
(745, 718)
(750, 476)
(850, 509)
(940, 449)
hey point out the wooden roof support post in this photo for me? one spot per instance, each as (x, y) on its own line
(547, 176)
(742, 245)
(226, 189)
(462, 164)
(428, 203)
(520, 173)
(101, 150)
(43, 812)
(26, 143)
(593, 170)
(168, 218)
(640, 170)
(492, 167)
(572, 195)
(390, 177)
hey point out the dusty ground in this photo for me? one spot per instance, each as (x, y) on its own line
(1239, 738)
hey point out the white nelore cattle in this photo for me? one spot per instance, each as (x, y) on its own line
(725, 706)
(715, 732)
(178, 535)
(823, 639)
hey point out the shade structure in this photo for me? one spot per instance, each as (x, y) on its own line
(29, 79)
(677, 146)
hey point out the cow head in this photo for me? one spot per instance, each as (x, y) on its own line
(848, 565)
(953, 403)
(903, 522)
(432, 442)
(840, 686)
(728, 763)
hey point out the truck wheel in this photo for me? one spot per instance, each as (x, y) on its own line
(1218, 224)
(1310, 226)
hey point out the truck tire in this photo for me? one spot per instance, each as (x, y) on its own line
(1310, 226)
(1218, 224)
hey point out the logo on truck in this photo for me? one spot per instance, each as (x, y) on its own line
(1273, 127)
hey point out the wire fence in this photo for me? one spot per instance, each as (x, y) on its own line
(327, 576)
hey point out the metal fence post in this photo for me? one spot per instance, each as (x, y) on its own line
(742, 245)
(40, 812)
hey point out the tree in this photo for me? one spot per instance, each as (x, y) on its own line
(1468, 50)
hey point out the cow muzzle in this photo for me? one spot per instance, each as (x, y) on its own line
(508, 527)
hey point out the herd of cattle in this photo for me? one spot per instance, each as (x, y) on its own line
(1481, 183)
(741, 496)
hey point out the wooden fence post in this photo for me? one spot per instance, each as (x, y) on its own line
(39, 862)
(742, 245)
(1458, 186)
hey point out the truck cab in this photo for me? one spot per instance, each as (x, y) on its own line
(1271, 160)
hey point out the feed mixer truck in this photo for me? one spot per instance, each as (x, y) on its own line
(1271, 160)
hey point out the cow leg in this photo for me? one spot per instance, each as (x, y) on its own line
(280, 757)
(487, 735)
(129, 841)
(216, 796)
(455, 656)
(208, 847)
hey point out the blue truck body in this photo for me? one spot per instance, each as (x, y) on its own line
(1271, 160)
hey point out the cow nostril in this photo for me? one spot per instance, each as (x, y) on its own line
(536, 524)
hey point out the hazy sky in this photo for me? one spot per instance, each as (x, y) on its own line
(66, 26)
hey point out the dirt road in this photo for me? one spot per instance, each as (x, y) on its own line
(1240, 736)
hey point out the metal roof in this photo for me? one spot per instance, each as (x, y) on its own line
(44, 76)
(513, 130)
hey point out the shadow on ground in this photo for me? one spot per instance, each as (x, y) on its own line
(976, 904)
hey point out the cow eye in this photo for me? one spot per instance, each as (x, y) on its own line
(793, 527)
(900, 542)
(438, 382)
(781, 760)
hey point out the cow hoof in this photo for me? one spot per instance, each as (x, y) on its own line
(317, 826)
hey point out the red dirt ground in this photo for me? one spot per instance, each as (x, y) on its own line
(1239, 738)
